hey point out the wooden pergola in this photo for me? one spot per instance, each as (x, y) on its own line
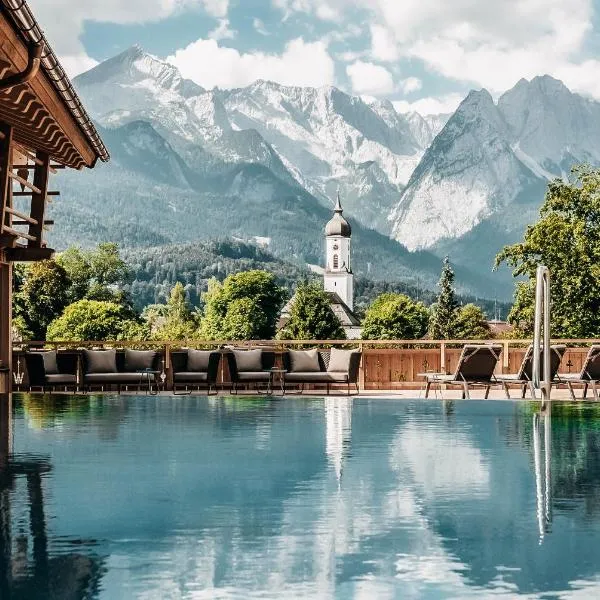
(43, 127)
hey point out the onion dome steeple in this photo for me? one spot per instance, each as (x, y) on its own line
(338, 226)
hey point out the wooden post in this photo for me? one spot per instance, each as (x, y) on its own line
(5, 265)
(38, 200)
(5, 181)
(443, 357)
(361, 368)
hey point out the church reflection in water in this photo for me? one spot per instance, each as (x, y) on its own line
(27, 571)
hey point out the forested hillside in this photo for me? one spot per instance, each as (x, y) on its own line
(156, 270)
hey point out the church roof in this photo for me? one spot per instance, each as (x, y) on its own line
(338, 306)
(338, 225)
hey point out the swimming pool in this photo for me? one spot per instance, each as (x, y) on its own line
(195, 497)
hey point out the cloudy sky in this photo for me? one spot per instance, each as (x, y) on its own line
(421, 54)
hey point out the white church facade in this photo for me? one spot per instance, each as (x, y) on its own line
(338, 279)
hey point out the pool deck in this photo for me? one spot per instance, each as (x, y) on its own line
(451, 394)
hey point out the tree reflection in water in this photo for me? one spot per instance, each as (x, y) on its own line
(33, 574)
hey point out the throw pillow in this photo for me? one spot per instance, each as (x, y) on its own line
(304, 361)
(339, 360)
(197, 360)
(139, 360)
(101, 361)
(50, 364)
(248, 360)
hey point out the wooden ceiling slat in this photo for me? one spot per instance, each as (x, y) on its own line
(40, 117)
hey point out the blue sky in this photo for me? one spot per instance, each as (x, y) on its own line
(421, 54)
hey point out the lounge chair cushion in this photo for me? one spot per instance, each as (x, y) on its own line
(190, 377)
(139, 360)
(304, 361)
(321, 377)
(197, 360)
(61, 378)
(101, 361)
(248, 360)
(50, 364)
(131, 378)
(339, 360)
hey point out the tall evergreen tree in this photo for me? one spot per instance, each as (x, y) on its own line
(443, 316)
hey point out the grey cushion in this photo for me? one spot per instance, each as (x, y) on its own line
(254, 376)
(139, 360)
(339, 360)
(132, 378)
(191, 377)
(312, 377)
(197, 360)
(61, 378)
(304, 361)
(50, 364)
(101, 361)
(248, 360)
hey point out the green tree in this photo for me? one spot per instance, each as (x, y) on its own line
(176, 321)
(92, 320)
(258, 286)
(311, 317)
(96, 274)
(566, 240)
(443, 313)
(395, 317)
(244, 317)
(470, 323)
(43, 294)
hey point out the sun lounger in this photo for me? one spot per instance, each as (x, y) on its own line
(589, 375)
(524, 377)
(475, 367)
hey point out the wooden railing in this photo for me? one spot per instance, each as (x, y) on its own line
(385, 365)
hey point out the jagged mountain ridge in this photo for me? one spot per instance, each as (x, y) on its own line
(463, 184)
(487, 169)
(148, 195)
(321, 139)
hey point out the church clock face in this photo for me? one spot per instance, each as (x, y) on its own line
(335, 247)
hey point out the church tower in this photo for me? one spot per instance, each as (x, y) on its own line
(338, 275)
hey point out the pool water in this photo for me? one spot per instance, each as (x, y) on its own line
(194, 497)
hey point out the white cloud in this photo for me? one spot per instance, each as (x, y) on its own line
(215, 8)
(64, 33)
(74, 64)
(411, 84)
(383, 44)
(211, 65)
(489, 44)
(430, 106)
(222, 31)
(368, 78)
(259, 26)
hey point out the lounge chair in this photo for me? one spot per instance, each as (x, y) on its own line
(338, 367)
(49, 370)
(475, 367)
(589, 375)
(524, 377)
(250, 368)
(195, 368)
(131, 368)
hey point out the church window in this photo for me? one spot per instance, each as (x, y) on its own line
(335, 261)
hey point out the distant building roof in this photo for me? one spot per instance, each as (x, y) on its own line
(338, 225)
(498, 327)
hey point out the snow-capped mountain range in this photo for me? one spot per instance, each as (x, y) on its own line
(465, 183)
